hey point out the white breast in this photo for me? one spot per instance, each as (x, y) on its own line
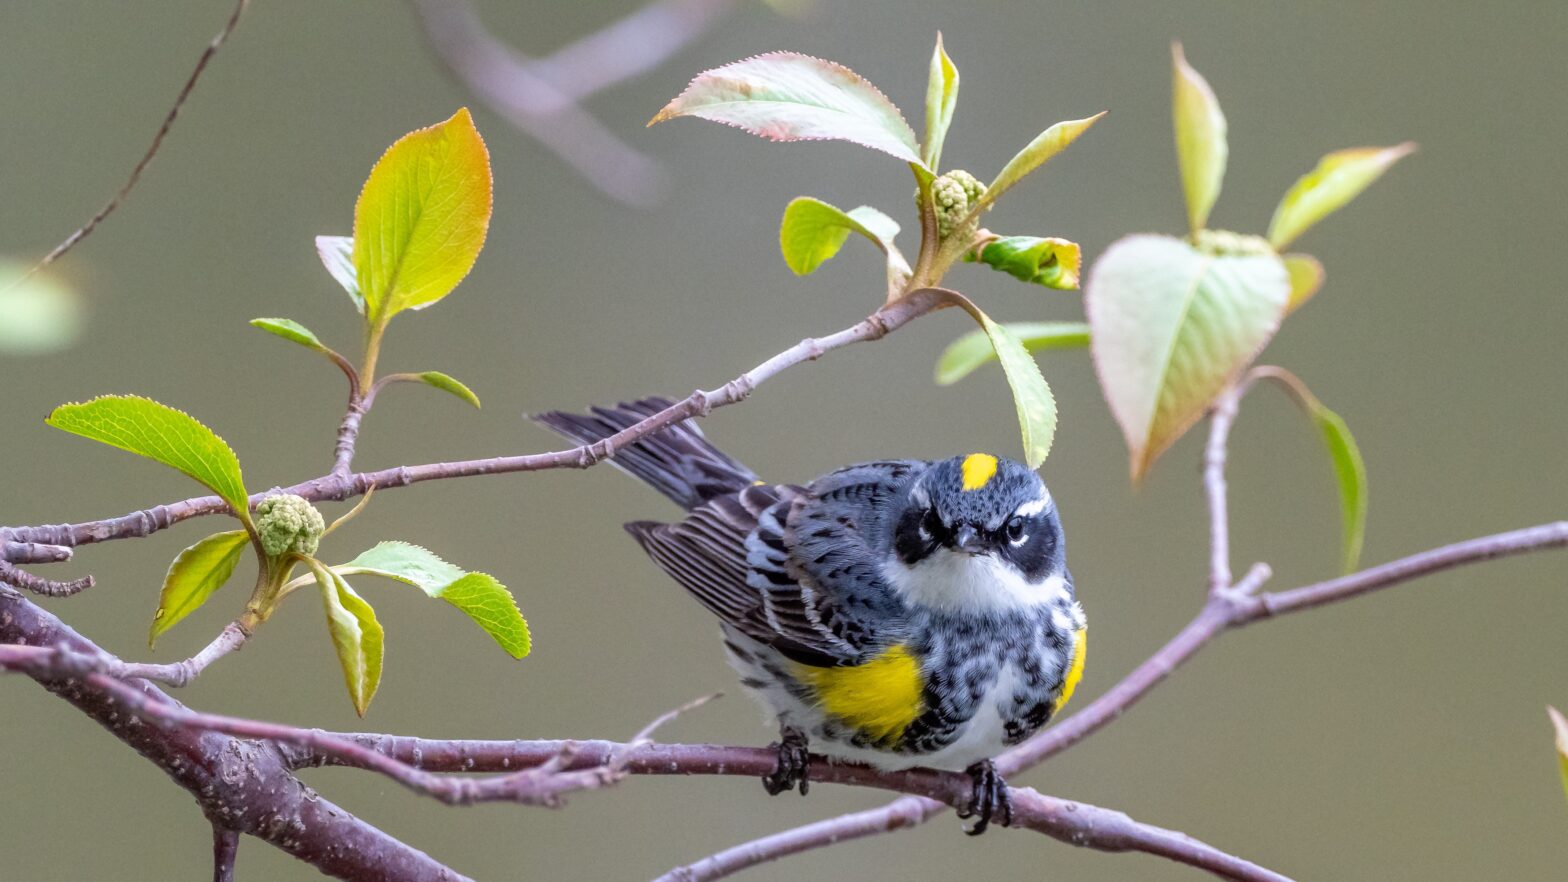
(952, 580)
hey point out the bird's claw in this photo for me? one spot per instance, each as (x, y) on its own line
(990, 798)
(793, 767)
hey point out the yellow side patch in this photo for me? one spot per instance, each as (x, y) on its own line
(1074, 670)
(879, 698)
(979, 469)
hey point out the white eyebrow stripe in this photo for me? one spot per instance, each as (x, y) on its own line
(1032, 508)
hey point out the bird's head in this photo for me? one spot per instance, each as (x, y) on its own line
(981, 532)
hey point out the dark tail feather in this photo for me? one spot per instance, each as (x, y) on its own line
(677, 461)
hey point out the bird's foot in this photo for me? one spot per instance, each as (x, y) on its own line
(990, 798)
(794, 764)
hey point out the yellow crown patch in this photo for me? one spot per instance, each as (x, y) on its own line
(979, 469)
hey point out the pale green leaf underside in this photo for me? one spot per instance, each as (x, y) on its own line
(1338, 178)
(786, 96)
(337, 255)
(974, 349)
(813, 231)
(448, 384)
(356, 636)
(1045, 145)
(1031, 396)
(38, 315)
(483, 599)
(159, 432)
(1201, 150)
(289, 329)
(194, 575)
(941, 100)
(1171, 327)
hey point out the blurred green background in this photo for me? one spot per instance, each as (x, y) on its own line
(1401, 736)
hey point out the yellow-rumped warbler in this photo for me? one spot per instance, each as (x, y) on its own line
(898, 613)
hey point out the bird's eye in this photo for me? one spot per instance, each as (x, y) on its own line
(1015, 531)
(931, 525)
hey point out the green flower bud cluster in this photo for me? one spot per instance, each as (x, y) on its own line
(952, 195)
(1223, 243)
(288, 523)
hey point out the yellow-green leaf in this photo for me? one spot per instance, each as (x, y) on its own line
(786, 96)
(1560, 729)
(1171, 328)
(291, 330)
(813, 231)
(1201, 150)
(448, 384)
(422, 217)
(1054, 263)
(1045, 145)
(1338, 178)
(38, 314)
(1306, 277)
(161, 433)
(1031, 396)
(941, 99)
(356, 635)
(483, 599)
(196, 573)
(974, 349)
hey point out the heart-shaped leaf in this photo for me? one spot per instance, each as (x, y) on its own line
(1201, 150)
(786, 96)
(480, 597)
(356, 635)
(1338, 178)
(1171, 328)
(813, 231)
(1053, 263)
(1045, 145)
(291, 330)
(1306, 277)
(337, 255)
(974, 349)
(161, 433)
(422, 217)
(196, 573)
(941, 100)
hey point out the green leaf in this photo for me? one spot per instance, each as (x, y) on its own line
(1053, 263)
(1306, 277)
(974, 349)
(448, 384)
(421, 218)
(1560, 729)
(1031, 396)
(1201, 150)
(941, 99)
(356, 635)
(196, 573)
(1350, 472)
(1045, 145)
(159, 432)
(786, 96)
(289, 329)
(478, 595)
(813, 231)
(1338, 178)
(337, 255)
(38, 313)
(1171, 328)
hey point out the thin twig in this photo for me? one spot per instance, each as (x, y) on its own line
(225, 848)
(1221, 418)
(152, 150)
(181, 673)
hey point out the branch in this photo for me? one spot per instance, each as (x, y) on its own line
(225, 848)
(243, 786)
(1221, 418)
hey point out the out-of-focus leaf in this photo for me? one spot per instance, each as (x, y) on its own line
(1306, 277)
(1172, 327)
(1201, 150)
(448, 384)
(480, 597)
(1338, 178)
(196, 573)
(356, 635)
(1031, 396)
(422, 217)
(941, 99)
(1560, 729)
(158, 432)
(289, 329)
(337, 255)
(813, 231)
(1053, 263)
(38, 315)
(786, 96)
(974, 349)
(1045, 145)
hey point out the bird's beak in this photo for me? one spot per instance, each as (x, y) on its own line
(967, 540)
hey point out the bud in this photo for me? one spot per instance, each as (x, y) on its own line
(952, 195)
(288, 523)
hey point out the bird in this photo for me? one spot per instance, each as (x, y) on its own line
(897, 612)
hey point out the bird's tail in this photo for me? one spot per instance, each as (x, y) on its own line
(677, 461)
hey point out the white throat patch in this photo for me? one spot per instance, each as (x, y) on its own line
(953, 581)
